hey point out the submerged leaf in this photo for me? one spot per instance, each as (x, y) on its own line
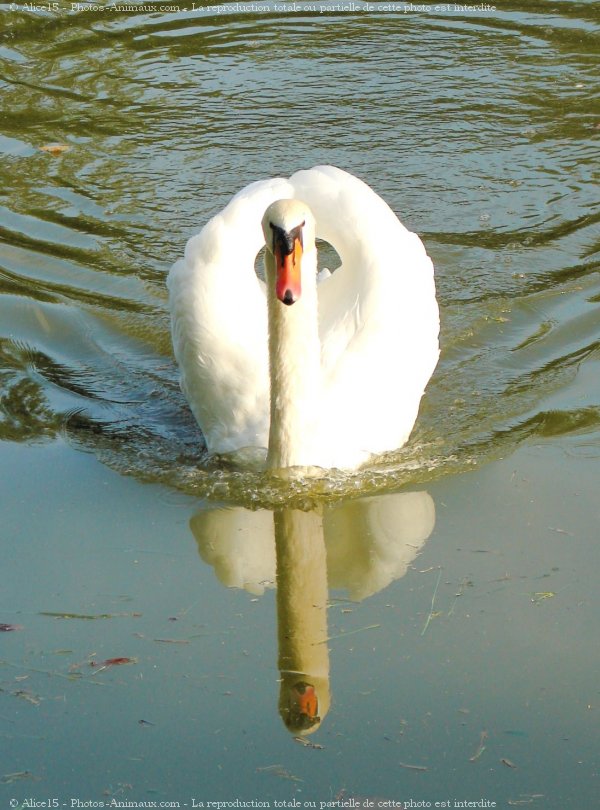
(113, 662)
(55, 149)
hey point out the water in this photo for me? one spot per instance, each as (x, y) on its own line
(480, 130)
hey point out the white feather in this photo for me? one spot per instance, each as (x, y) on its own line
(378, 321)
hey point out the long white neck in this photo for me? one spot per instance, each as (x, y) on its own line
(295, 368)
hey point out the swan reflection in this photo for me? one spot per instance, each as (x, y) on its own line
(360, 546)
(302, 619)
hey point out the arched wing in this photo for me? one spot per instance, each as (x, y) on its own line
(219, 322)
(378, 314)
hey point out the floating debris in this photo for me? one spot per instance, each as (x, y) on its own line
(308, 744)
(52, 672)
(87, 616)
(29, 697)
(17, 776)
(113, 662)
(172, 640)
(279, 770)
(539, 596)
(345, 799)
(55, 149)
(348, 633)
(480, 748)
(432, 615)
(413, 767)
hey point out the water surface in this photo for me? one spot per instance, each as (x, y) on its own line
(480, 130)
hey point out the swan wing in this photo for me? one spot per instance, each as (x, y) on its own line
(378, 315)
(219, 322)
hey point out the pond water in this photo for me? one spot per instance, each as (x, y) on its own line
(441, 605)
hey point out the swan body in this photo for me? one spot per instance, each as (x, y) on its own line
(333, 376)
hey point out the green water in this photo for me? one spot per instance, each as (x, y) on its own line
(462, 569)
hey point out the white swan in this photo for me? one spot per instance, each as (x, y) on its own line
(323, 375)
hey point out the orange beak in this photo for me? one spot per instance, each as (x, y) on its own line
(306, 700)
(288, 287)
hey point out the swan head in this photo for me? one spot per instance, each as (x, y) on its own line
(303, 704)
(289, 231)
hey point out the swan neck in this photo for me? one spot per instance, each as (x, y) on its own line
(294, 366)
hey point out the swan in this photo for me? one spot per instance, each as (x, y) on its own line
(321, 371)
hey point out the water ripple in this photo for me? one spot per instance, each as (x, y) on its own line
(479, 131)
